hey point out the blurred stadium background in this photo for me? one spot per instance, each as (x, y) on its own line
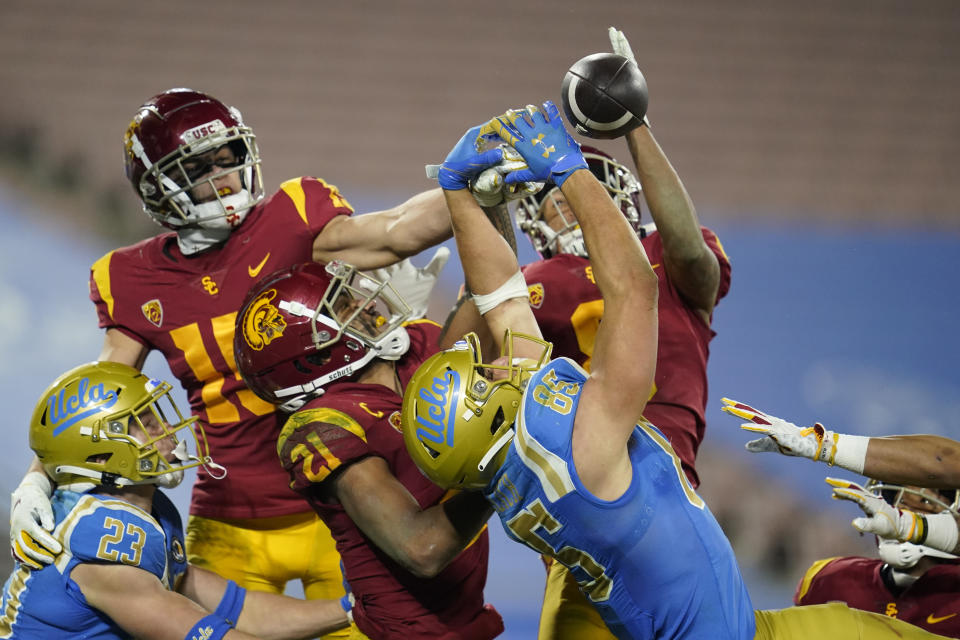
(817, 138)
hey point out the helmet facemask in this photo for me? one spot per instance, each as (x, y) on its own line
(189, 170)
(905, 555)
(564, 234)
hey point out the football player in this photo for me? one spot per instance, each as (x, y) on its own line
(332, 348)
(564, 456)
(196, 167)
(693, 273)
(109, 436)
(908, 581)
(919, 460)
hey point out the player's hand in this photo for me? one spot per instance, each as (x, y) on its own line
(465, 162)
(31, 520)
(785, 437)
(414, 284)
(882, 519)
(540, 137)
(621, 47)
(489, 188)
(619, 44)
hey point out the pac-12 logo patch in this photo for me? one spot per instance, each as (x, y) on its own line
(262, 322)
(536, 293)
(153, 312)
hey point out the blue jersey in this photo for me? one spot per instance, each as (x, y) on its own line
(94, 528)
(654, 562)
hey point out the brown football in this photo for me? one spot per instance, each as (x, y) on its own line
(604, 95)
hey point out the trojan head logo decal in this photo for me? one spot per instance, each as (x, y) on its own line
(262, 322)
(130, 136)
(153, 312)
(535, 291)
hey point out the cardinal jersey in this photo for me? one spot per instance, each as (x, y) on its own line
(568, 307)
(352, 421)
(93, 529)
(654, 562)
(932, 602)
(186, 307)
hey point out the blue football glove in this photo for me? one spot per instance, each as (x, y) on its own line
(465, 162)
(540, 137)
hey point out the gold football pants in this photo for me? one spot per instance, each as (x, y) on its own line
(263, 554)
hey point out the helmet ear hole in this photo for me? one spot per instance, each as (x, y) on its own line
(497, 421)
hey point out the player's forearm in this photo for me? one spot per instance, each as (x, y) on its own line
(35, 465)
(923, 460)
(619, 262)
(670, 205)
(487, 259)
(277, 617)
(378, 239)
(687, 259)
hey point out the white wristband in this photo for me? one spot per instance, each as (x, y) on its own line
(942, 532)
(851, 452)
(514, 287)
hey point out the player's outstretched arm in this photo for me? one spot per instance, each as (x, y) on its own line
(625, 348)
(691, 265)
(489, 262)
(266, 615)
(922, 460)
(137, 601)
(375, 240)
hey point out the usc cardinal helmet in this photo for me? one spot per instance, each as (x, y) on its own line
(306, 326)
(171, 147)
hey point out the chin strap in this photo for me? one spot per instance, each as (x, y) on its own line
(494, 449)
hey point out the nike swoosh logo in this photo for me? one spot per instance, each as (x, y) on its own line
(932, 620)
(254, 271)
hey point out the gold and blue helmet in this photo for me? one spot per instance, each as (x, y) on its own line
(105, 423)
(458, 411)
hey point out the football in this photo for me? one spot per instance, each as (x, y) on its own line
(604, 95)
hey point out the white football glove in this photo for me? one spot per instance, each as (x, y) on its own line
(31, 520)
(882, 519)
(620, 46)
(816, 442)
(412, 283)
(489, 188)
(938, 531)
(619, 43)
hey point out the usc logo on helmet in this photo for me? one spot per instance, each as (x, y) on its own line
(262, 322)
